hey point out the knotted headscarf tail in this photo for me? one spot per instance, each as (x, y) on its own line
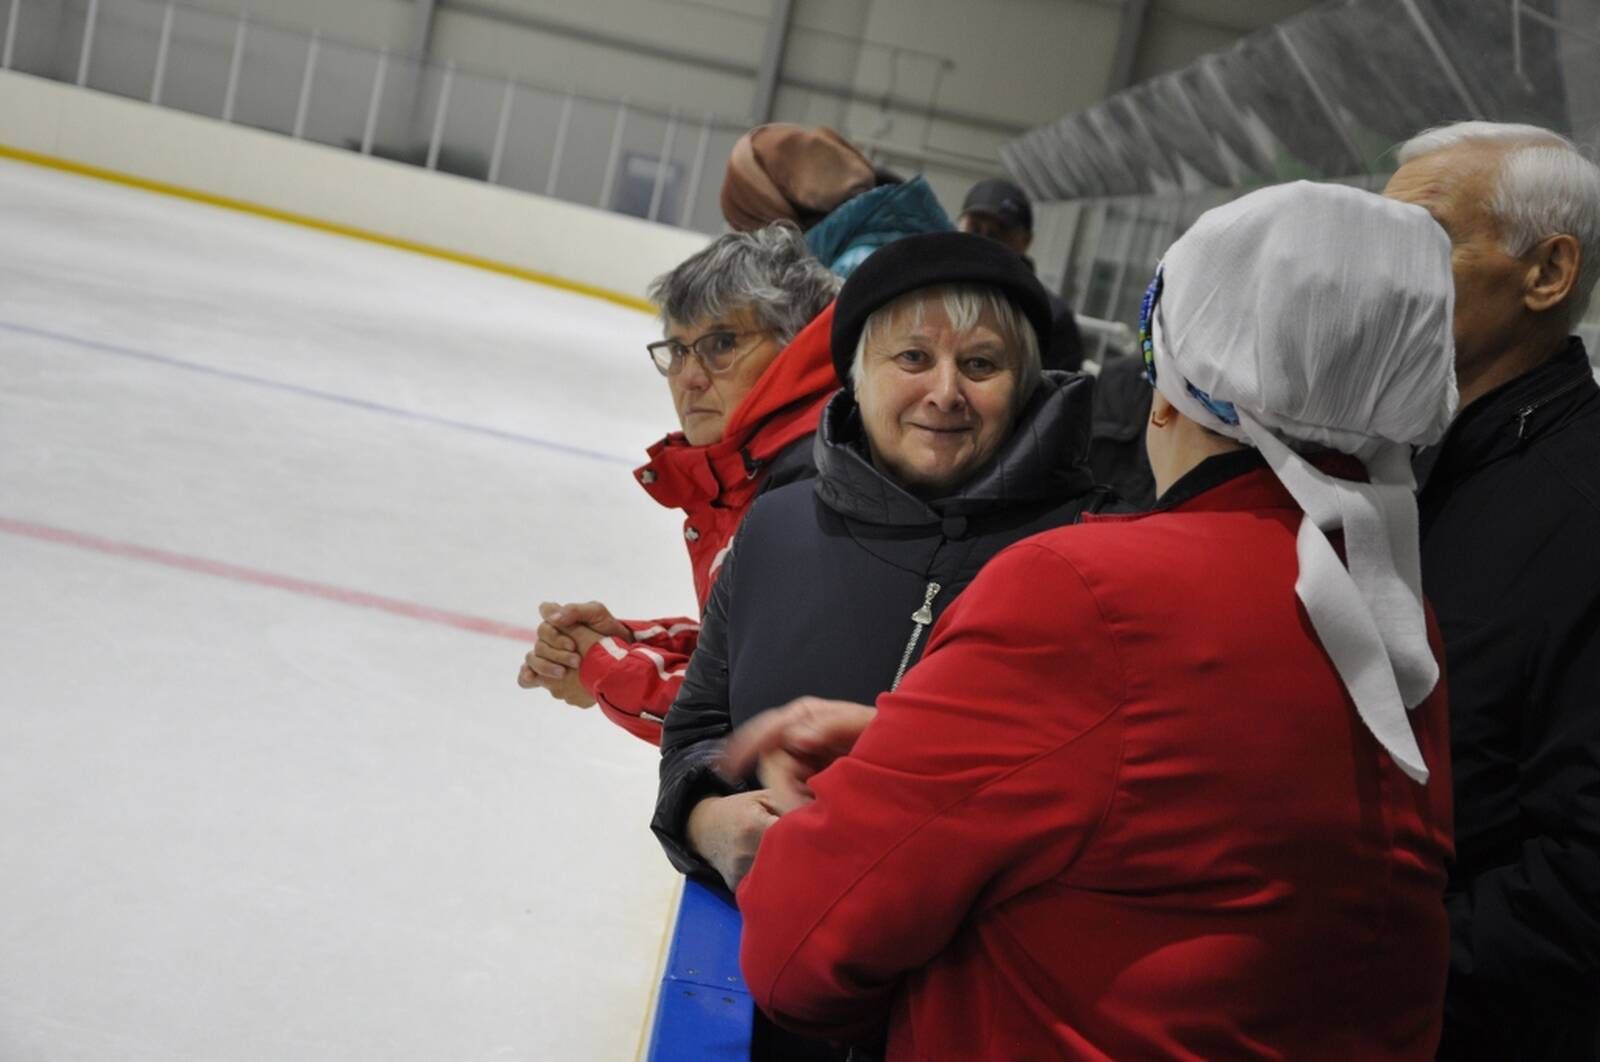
(1322, 315)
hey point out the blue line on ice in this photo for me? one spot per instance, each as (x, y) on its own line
(311, 392)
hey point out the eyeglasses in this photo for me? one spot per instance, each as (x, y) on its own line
(717, 351)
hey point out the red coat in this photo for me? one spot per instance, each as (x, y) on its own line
(1123, 809)
(636, 682)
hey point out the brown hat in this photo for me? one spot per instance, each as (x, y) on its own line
(784, 172)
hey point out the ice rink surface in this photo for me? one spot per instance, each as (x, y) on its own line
(268, 788)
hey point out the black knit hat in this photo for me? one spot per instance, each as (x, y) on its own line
(924, 261)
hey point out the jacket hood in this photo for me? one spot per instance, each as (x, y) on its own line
(802, 370)
(782, 408)
(1044, 460)
(845, 238)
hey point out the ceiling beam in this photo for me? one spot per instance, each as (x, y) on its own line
(1130, 32)
(420, 38)
(766, 88)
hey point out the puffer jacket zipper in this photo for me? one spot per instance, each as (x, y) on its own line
(921, 618)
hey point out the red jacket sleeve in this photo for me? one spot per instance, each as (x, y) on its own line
(984, 775)
(636, 682)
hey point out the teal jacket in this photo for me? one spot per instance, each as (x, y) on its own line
(856, 228)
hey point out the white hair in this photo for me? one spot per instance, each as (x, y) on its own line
(1545, 187)
(964, 305)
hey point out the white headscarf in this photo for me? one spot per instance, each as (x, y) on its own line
(1320, 314)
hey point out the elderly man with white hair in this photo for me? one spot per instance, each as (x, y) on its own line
(1510, 521)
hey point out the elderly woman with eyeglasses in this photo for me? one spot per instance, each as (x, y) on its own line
(746, 360)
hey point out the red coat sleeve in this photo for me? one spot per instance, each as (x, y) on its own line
(636, 682)
(982, 776)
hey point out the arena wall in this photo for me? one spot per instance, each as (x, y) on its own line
(605, 254)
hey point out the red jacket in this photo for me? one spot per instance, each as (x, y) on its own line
(1122, 809)
(636, 682)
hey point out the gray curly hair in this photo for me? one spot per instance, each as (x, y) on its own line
(768, 271)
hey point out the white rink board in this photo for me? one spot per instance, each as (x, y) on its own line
(241, 822)
(615, 252)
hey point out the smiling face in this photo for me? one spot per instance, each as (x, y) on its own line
(936, 403)
(705, 402)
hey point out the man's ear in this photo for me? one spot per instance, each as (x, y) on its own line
(1552, 272)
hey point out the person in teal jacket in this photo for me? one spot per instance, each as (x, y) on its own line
(844, 238)
(818, 180)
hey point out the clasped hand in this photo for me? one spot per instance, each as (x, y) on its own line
(566, 635)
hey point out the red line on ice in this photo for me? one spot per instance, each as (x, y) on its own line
(239, 573)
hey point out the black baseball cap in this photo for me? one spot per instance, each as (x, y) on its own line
(1002, 198)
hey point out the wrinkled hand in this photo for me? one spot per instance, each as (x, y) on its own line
(790, 744)
(567, 633)
(726, 831)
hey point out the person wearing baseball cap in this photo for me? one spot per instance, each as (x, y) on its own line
(999, 209)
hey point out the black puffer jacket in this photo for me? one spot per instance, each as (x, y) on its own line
(1510, 508)
(831, 586)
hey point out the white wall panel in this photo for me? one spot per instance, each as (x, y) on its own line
(575, 243)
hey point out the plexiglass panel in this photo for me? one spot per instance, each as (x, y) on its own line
(1326, 94)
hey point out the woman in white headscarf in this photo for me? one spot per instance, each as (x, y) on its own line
(1173, 784)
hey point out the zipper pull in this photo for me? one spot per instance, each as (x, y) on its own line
(1522, 419)
(922, 617)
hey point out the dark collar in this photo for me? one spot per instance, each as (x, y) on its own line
(1511, 416)
(1213, 472)
(1043, 460)
(1239, 480)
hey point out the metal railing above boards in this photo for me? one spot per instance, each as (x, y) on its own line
(622, 155)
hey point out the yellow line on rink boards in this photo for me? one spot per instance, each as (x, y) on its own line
(178, 191)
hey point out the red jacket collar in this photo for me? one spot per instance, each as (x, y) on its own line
(784, 406)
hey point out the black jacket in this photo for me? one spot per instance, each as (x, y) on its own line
(1064, 345)
(1510, 508)
(1122, 398)
(818, 592)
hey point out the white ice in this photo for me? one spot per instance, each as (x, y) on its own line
(237, 822)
